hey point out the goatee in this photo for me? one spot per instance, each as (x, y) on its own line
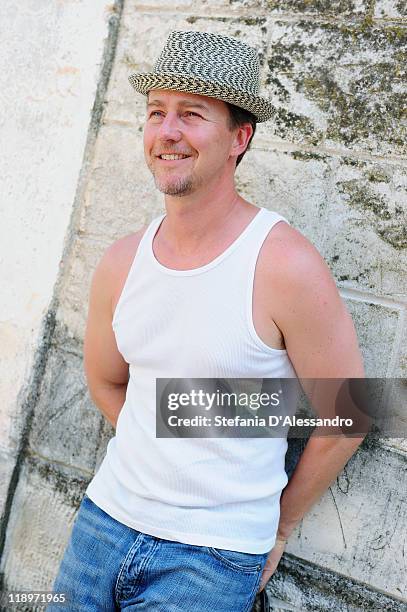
(180, 187)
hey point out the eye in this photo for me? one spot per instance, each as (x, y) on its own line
(191, 114)
(155, 114)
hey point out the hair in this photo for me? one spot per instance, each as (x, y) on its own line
(237, 117)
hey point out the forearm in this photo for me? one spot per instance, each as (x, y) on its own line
(320, 463)
(109, 398)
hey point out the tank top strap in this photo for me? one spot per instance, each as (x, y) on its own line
(268, 219)
(147, 239)
(245, 257)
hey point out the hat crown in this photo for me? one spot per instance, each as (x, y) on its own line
(211, 57)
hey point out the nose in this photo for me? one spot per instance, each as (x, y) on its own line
(169, 128)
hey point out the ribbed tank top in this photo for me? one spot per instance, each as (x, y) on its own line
(217, 492)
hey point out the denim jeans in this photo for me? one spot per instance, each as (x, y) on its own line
(108, 566)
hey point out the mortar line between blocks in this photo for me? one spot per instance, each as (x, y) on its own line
(370, 298)
(285, 17)
(290, 147)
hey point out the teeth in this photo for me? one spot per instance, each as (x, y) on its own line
(173, 156)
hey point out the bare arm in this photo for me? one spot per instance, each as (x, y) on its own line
(106, 371)
(321, 342)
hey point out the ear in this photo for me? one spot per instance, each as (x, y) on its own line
(241, 139)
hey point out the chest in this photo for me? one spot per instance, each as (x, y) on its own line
(201, 321)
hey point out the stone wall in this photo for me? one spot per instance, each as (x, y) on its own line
(333, 161)
(51, 56)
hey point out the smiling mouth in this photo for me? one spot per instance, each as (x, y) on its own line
(172, 157)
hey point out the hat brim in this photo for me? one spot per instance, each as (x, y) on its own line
(261, 108)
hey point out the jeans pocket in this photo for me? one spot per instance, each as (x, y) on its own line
(240, 561)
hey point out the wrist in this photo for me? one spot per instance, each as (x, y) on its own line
(281, 539)
(285, 529)
(283, 533)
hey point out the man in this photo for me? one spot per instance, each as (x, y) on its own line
(213, 288)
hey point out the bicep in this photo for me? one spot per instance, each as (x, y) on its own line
(318, 330)
(103, 362)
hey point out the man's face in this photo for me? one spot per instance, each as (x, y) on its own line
(187, 140)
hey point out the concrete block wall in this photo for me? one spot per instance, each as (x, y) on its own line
(333, 161)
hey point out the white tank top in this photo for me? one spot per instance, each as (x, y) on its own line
(223, 493)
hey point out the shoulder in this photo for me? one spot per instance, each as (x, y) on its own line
(301, 289)
(292, 263)
(114, 265)
(120, 254)
(284, 240)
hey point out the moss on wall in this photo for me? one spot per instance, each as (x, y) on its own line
(354, 73)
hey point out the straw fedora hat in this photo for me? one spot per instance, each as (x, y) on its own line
(210, 65)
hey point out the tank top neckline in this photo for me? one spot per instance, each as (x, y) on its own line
(192, 271)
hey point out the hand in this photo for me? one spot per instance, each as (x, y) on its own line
(272, 561)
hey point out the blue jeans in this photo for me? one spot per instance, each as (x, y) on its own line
(108, 566)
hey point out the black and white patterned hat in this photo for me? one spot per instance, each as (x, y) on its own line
(209, 65)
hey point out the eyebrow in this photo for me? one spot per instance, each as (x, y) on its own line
(188, 103)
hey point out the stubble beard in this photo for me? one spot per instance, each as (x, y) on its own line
(180, 186)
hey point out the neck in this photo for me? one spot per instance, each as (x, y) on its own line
(201, 217)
